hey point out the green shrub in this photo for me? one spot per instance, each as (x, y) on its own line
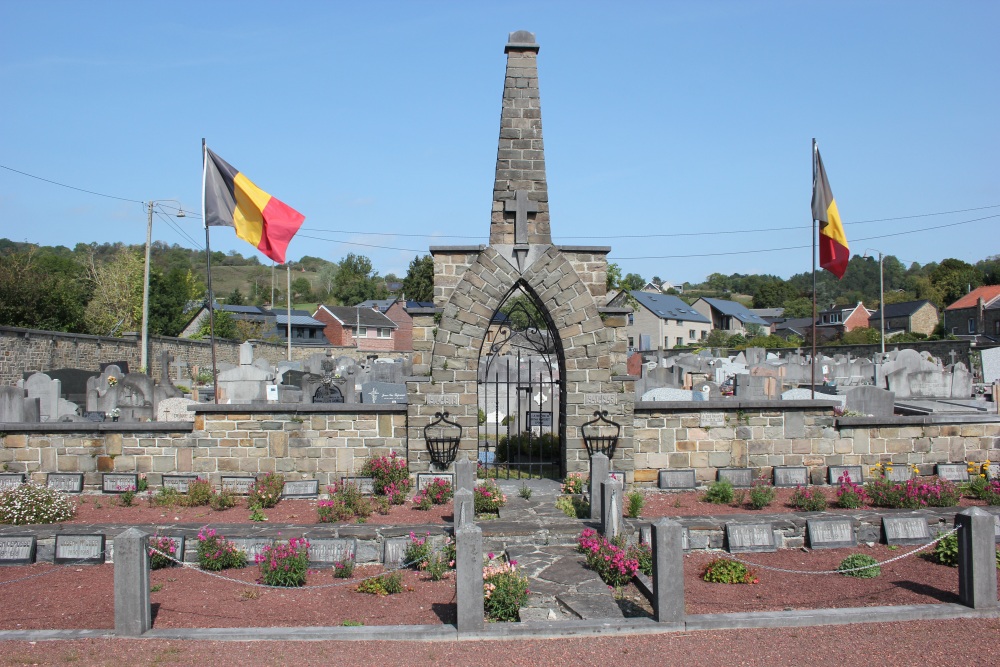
(417, 553)
(436, 567)
(389, 583)
(870, 568)
(575, 483)
(505, 590)
(166, 497)
(912, 494)
(390, 476)
(720, 492)
(726, 571)
(643, 554)
(761, 495)
(222, 500)
(199, 493)
(981, 488)
(808, 500)
(158, 546)
(488, 499)
(523, 446)
(216, 553)
(344, 569)
(32, 503)
(573, 507)
(946, 551)
(284, 564)
(634, 501)
(266, 491)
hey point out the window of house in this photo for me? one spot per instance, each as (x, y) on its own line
(631, 343)
(996, 327)
(692, 334)
(384, 332)
(704, 335)
(679, 323)
(362, 332)
(972, 325)
(631, 318)
(680, 340)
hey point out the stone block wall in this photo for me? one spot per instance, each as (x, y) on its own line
(591, 264)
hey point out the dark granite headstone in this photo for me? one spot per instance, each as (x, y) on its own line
(677, 479)
(11, 480)
(791, 476)
(95, 415)
(831, 533)
(118, 482)
(67, 482)
(740, 478)
(328, 394)
(750, 537)
(300, 488)
(905, 530)
(17, 549)
(79, 549)
(178, 483)
(240, 485)
(73, 382)
(833, 474)
(383, 392)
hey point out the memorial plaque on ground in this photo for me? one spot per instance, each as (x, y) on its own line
(300, 488)
(238, 484)
(251, 546)
(95, 415)
(953, 472)
(993, 472)
(646, 536)
(365, 484)
(833, 474)
(905, 530)
(79, 549)
(831, 533)
(899, 473)
(791, 476)
(712, 419)
(538, 418)
(67, 482)
(677, 479)
(17, 550)
(10, 480)
(329, 551)
(119, 482)
(393, 551)
(178, 483)
(747, 537)
(738, 477)
(425, 478)
(383, 392)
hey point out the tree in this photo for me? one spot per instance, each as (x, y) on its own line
(860, 336)
(614, 276)
(225, 326)
(954, 278)
(236, 298)
(717, 338)
(418, 285)
(169, 296)
(355, 282)
(117, 302)
(301, 290)
(42, 290)
(633, 281)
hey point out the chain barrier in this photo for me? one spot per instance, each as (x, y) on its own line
(853, 569)
(56, 568)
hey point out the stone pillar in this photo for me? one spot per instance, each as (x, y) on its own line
(133, 615)
(599, 468)
(464, 507)
(668, 571)
(469, 577)
(465, 475)
(977, 579)
(611, 508)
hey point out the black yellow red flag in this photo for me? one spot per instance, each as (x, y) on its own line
(834, 252)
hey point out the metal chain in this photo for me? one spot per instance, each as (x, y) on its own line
(853, 569)
(52, 571)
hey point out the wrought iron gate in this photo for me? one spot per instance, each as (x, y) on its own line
(521, 404)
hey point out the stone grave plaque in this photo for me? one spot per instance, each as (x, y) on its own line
(393, 550)
(17, 550)
(326, 552)
(300, 488)
(178, 483)
(365, 484)
(67, 482)
(95, 415)
(178, 552)
(251, 546)
(791, 476)
(750, 537)
(618, 476)
(993, 472)
(383, 392)
(899, 473)
(237, 484)
(953, 472)
(905, 530)
(119, 482)
(712, 419)
(425, 478)
(79, 549)
(677, 479)
(442, 399)
(831, 533)
(11, 480)
(741, 478)
(646, 536)
(833, 474)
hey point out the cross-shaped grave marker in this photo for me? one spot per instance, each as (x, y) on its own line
(521, 206)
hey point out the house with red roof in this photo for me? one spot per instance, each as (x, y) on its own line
(976, 315)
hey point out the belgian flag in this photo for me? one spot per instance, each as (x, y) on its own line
(232, 200)
(833, 250)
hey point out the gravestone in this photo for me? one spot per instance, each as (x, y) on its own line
(869, 400)
(179, 546)
(300, 488)
(677, 479)
(379, 393)
(991, 365)
(740, 478)
(79, 549)
(791, 476)
(425, 478)
(17, 549)
(238, 484)
(245, 383)
(899, 473)
(251, 546)
(953, 472)
(178, 483)
(831, 533)
(646, 536)
(72, 381)
(833, 474)
(327, 552)
(394, 548)
(366, 485)
(175, 410)
(51, 405)
(117, 482)
(711, 419)
(11, 480)
(67, 482)
(95, 416)
(750, 537)
(11, 405)
(905, 530)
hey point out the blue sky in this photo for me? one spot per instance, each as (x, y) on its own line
(663, 121)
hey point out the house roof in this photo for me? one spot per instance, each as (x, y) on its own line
(902, 309)
(419, 304)
(297, 320)
(382, 304)
(987, 292)
(352, 315)
(668, 307)
(796, 325)
(737, 310)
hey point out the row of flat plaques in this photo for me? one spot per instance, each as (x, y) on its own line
(239, 485)
(791, 476)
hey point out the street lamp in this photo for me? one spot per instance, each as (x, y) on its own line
(881, 308)
(144, 350)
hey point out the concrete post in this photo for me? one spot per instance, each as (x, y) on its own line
(668, 571)
(600, 466)
(465, 474)
(464, 507)
(469, 577)
(133, 615)
(611, 508)
(977, 579)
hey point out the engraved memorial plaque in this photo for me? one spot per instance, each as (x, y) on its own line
(251, 546)
(11, 480)
(178, 483)
(17, 549)
(300, 488)
(326, 552)
(67, 482)
(831, 533)
(953, 472)
(741, 478)
(677, 479)
(117, 482)
(365, 484)
(238, 485)
(750, 537)
(833, 474)
(791, 476)
(79, 549)
(712, 419)
(906, 530)
(425, 478)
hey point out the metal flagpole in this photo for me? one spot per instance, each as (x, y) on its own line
(815, 231)
(208, 264)
(288, 301)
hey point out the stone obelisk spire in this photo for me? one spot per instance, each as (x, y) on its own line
(520, 194)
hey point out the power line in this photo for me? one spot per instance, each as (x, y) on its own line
(71, 187)
(180, 230)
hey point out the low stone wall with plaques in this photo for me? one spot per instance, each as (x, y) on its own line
(708, 436)
(322, 442)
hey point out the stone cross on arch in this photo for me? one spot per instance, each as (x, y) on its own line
(521, 206)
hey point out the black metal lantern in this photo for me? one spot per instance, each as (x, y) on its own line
(600, 435)
(443, 446)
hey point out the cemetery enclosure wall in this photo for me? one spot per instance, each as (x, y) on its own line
(765, 434)
(313, 442)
